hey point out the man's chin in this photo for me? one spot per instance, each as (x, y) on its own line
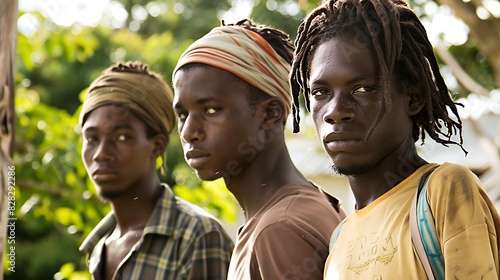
(349, 170)
(108, 196)
(209, 176)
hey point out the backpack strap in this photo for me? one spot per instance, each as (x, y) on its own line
(423, 232)
(335, 234)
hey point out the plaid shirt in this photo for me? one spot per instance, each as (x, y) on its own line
(180, 241)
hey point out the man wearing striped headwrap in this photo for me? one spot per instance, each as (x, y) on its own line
(232, 100)
(150, 233)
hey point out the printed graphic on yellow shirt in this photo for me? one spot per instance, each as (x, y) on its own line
(370, 250)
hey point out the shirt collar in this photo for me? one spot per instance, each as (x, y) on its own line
(162, 221)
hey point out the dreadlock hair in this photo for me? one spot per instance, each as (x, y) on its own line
(401, 45)
(132, 67)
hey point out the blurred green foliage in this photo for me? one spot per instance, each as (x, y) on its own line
(56, 202)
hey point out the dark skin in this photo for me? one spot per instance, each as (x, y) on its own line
(223, 136)
(121, 161)
(346, 97)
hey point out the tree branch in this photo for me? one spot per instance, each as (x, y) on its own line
(462, 77)
(485, 31)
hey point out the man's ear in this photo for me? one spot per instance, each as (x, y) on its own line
(416, 100)
(160, 143)
(274, 113)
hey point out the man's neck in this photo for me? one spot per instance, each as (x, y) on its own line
(263, 178)
(369, 186)
(133, 209)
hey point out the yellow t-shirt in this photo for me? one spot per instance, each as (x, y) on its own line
(375, 242)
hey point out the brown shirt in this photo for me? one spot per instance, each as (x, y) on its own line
(288, 238)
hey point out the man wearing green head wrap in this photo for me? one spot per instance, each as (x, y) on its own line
(126, 120)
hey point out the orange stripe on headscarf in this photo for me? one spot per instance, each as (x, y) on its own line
(245, 54)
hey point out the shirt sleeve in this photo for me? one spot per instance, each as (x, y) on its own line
(286, 251)
(210, 257)
(466, 222)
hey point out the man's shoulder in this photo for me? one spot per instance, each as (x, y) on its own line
(454, 179)
(193, 215)
(181, 210)
(448, 168)
(300, 206)
(447, 173)
(302, 199)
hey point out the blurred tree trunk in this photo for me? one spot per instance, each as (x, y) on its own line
(8, 39)
(485, 31)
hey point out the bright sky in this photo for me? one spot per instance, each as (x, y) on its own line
(92, 12)
(67, 12)
(112, 13)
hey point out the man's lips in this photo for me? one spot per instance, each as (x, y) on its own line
(102, 175)
(195, 153)
(196, 158)
(340, 140)
(341, 136)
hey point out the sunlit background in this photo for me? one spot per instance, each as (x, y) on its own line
(442, 26)
(63, 45)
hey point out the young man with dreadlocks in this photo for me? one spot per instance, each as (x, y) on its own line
(232, 99)
(150, 233)
(372, 83)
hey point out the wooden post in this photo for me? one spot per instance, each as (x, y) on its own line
(8, 43)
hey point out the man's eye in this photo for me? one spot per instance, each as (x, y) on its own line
(122, 137)
(181, 116)
(90, 139)
(363, 89)
(319, 92)
(212, 110)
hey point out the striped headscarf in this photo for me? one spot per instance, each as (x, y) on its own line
(245, 54)
(132, 85)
